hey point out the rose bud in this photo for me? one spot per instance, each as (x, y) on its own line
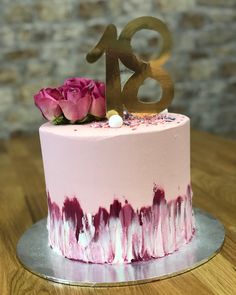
(83, 96)
(47, 101)
(76, 104)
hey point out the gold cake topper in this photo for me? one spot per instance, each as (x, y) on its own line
(119, 48)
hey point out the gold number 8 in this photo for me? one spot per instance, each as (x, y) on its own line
(143, 70)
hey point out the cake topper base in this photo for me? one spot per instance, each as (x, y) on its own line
(36, 256)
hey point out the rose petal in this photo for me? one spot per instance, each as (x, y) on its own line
(101, 87)
(49, 107)
(98, 107)
(73, 94)
(96, 91)
(54, 93)
(84, 104)
(75, 111)
(69, 110)
(77, 81)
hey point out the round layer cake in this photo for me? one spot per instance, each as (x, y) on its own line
(118, 195)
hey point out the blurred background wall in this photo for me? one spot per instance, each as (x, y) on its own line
(43, 42)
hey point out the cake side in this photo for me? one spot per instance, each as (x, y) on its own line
(97, 165)
(118, 195)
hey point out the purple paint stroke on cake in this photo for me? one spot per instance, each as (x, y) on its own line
(73, 212)
(121, 235)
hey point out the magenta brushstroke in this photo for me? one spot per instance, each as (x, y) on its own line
(121, 235)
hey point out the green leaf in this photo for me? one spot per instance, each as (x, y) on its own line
(60, 120)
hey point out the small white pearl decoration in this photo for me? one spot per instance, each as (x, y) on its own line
(115, 121)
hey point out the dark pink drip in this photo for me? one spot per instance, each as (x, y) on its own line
(137, 258)
(178, 205)
(148, 216)
(145, 213)
(189, 193)
(115, 209)
(159, 196)
(86, 222)
(73, 212)
(126, 215)
(53, 209)
(101, 216)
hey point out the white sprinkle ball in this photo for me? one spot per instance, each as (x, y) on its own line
(115, 121)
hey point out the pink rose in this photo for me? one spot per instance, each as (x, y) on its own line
(82, 97)
(77, 100)
(76, 103)
(47, 101)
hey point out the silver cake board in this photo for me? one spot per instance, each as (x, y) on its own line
(37, 257)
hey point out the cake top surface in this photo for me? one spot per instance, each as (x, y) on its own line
(150, 123)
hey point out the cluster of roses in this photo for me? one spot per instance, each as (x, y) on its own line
(75, 101)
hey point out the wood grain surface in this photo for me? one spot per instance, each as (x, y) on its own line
(23, 202)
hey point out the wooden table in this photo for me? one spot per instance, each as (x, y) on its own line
(23, 202)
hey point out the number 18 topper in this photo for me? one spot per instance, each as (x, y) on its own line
(119, 48)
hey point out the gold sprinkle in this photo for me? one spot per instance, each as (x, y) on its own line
(111, 113)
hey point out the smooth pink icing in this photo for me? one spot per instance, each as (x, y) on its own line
(98, 165)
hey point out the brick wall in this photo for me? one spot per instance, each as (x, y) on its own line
(42, 42)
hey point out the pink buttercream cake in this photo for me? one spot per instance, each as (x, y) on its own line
(118, 195)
